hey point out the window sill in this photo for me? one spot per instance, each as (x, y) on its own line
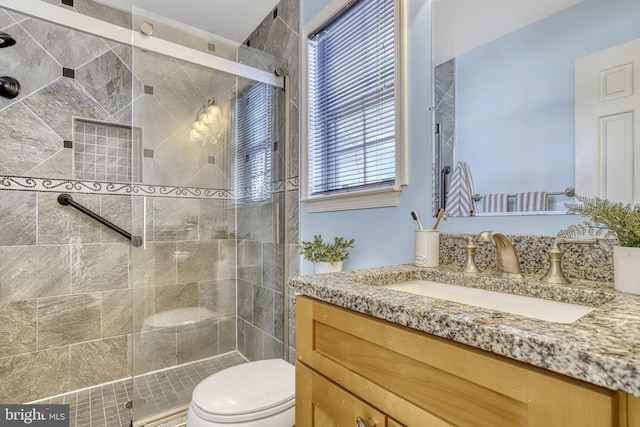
(368, 199)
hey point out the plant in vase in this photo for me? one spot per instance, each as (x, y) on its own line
(326, 257)
(617, 220)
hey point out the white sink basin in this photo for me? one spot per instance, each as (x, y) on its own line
(552, 311)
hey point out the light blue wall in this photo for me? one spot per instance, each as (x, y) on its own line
(385, 236)
(516, 96)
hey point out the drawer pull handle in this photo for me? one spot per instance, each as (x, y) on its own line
(362, 423)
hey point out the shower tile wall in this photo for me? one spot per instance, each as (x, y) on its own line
(67, 283)
(260, 298)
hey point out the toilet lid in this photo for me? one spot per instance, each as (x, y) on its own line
(247, 389)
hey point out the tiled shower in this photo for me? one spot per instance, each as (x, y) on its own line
(80, 307)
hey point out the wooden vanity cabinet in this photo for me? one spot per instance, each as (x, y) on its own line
(352, 365)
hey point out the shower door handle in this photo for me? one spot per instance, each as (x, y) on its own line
(277, 227)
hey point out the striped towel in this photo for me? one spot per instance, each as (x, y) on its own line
(460, 196)
(532, 201)
(495, 202)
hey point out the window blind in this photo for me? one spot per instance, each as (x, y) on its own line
(352, 100)
(254, 139)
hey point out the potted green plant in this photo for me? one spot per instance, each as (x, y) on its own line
(617, 220)
(326, 257)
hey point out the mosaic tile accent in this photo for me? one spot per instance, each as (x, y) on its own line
(107, 152)
(104, 405)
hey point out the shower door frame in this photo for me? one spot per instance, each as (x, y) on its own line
(86, 24)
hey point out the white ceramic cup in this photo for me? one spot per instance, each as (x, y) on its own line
(427, 251)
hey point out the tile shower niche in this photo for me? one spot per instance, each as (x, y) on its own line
(106, 151)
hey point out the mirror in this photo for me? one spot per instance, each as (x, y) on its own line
(504, 85)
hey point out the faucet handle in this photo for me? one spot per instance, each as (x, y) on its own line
(469, 266)
(581, 241)
(555, 274)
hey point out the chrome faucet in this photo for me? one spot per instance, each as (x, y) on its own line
(507, 262)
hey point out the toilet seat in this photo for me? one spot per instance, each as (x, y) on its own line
(246, 392)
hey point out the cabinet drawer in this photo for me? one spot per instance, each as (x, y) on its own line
(408, 375)
(321, 403)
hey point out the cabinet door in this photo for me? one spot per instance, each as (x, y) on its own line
(633, 411)
(422, 380)
(321, 403)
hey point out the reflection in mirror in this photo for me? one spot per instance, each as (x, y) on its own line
(505, 97)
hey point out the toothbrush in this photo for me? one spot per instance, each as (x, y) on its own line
(414, 214)
(438, 218)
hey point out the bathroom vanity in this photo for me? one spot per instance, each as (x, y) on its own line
(369, 355)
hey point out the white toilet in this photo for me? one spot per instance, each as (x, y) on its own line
(254, 394)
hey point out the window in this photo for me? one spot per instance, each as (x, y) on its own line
(355, 121)
(253, 127)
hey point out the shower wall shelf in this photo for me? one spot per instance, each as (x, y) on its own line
(67, 200)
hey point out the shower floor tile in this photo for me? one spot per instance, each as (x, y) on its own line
(152, 393)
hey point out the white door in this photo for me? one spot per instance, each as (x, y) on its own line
(608, 124)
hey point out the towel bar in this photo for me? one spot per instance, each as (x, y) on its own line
(569, 192)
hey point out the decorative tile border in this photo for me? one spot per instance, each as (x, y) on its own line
(18, 183)
(279, 186)
(294, 183)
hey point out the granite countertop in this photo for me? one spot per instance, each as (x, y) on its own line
(602, 348)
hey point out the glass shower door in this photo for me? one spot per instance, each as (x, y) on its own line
(199, 134)
(184, 274)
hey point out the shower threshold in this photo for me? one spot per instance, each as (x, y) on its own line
(152, 394)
